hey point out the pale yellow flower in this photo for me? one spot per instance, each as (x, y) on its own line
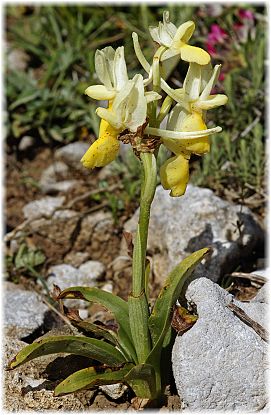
(176, 41)
(127, 111)
(188, 116)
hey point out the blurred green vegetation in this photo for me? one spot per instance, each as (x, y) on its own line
(44, 99)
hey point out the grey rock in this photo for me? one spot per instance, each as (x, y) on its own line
(220, 363)
(97, 236)
(63, 186)
(93, 270)
(76, 258)
(67, 231)
(24, 311)
(72, 154)
(180, 226)
(115, 391)
(107, 287)
(107, 172)
(57, 170)
(66, 276)
(44, 207)
(263, 273)
(26, 142)
(17, 59)
(263, 294)
(52, 179)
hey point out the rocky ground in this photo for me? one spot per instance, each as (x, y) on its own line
(63, 230)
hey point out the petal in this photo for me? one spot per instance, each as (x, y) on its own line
(192, 81)
(192, 122)
(139, 54)
(164, 35)
(177, 94)
(181, 135)
(104, 149)
(185, 31)
(211, 102)
(155, 34)
(170, 27)
(170, 53)
(174, 174)
(194, 54)
(136, 107)
(120, 70)
(206, 73)
(211, 83)
(110, 117)
(100, 92)
(102, 68)
(176, 116)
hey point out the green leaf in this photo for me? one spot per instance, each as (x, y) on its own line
(83, 346)
(138, 317)
(141, 378)
(159, 320)
(99, 331)
(24, 100)
(147, 278)
(26, 257)
(89, 377)
(117, 306)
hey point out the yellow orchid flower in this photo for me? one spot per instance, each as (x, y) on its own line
(174, 173)
(188, 116)
(197, 87)
(127, 111)
(176, 41)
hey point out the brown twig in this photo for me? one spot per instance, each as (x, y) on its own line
(252, 277)
(260, 330)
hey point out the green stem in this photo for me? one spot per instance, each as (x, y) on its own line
(148, 187)
(138, 301)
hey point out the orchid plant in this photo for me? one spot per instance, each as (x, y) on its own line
(135, 351)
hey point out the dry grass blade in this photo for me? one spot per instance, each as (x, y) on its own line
(252, 277)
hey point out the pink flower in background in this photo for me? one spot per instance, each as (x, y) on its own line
(245, 14)
(210, 49)
(217, 35)
(243, 27)
(221, 76)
